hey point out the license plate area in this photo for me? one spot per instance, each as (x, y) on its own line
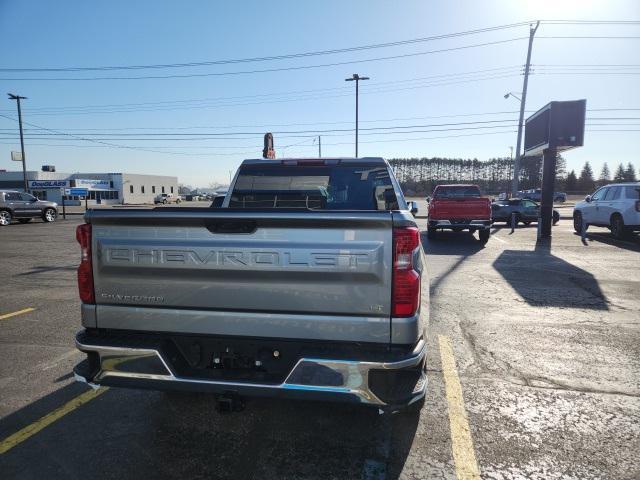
(230, 359)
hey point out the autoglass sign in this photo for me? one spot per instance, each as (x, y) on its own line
(92, 184)
(48, 184)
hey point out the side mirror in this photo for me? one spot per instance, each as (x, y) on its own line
(587, 198)
(33, 200)
(413, 207)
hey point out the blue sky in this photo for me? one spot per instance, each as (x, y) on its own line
(421, 92)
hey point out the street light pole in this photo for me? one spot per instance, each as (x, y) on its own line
(357, 79)
(523, 101)
(17, 98)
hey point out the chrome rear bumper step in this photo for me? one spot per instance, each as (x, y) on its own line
(334, 379)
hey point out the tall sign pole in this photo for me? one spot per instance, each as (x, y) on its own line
(17, 98)
(523, 101)
(357, 79)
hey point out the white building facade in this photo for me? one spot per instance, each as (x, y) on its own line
(103, 188)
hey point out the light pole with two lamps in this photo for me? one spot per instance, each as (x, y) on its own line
(357, 79)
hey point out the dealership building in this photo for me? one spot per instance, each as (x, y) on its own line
(104, 188)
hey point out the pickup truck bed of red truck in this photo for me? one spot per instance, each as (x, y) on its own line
(457, 208)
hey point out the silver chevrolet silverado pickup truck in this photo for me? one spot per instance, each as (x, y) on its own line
(309, 282)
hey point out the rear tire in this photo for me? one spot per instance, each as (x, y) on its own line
(24, 220)
(49, 215)
(164, 202)
(431, 233)
(618, 230)
(527, 223)
(484, 235)
(5, 218)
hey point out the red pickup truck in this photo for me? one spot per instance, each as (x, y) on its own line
(457, 208)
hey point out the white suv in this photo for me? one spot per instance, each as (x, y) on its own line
(167, 198)
(616, 206)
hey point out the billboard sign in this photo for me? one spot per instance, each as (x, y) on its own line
(557, 125)
(16, 156)
(39, 184)
(93, 184)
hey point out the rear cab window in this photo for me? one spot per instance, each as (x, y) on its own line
(322, 186)
(457, 192)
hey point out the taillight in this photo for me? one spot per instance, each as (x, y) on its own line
(405, 296)
(85, 269)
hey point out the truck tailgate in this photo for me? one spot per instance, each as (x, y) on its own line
(316, 275)
(467, 208)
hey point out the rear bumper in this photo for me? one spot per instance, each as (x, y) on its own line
(460, 223)
(395, 383)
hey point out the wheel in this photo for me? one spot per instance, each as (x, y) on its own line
(527, 223)
(431, 233)
(164, 202)
(49, 215)
(577, 222)
(5, 218)
(178, 201)
(556, 217)
(24, 220)
(618, 230)
(483, 235)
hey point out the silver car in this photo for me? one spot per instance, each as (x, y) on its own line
(23, 207)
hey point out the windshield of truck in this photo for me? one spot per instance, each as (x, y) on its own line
(314, 187)
(457, 192)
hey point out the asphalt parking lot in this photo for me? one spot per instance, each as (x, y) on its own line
(544, 342)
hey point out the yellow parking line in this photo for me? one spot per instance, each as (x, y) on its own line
(19, 312)
(461, 443)
(22, 435)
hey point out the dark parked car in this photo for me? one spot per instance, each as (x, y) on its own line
(536, 195)
(23, 207)
(526, 211)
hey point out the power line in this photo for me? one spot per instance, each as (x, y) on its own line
(273, 94)
(269, 58)
(395, 119)
(325, 52)
(270, 70)
(112, 145)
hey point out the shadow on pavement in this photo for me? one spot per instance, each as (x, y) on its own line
(452, 243)
(148, 434)
(632, 242)
(43, 269)
(464, 244)
(542, 279)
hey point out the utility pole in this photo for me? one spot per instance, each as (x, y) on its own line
(319, 146)
(357, 79)
(17, 98)
(523, 101)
